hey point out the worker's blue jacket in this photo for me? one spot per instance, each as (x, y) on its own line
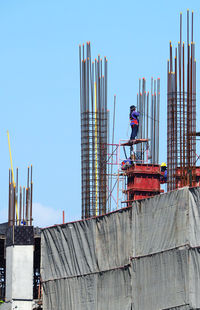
(165, 175)
(163, 178)
(134, 118)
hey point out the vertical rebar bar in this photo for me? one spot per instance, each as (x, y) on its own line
(31, 197)
(20, 206)
(24, 206)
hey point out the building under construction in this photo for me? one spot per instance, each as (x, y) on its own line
(145, 255)
(143, 250)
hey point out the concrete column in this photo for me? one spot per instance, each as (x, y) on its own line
(19, 268)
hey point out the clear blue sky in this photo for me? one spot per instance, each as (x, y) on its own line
(39, 84)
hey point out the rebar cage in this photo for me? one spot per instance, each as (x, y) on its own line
(94, 132)
(181, 113)
(94, 163)
(181, 139)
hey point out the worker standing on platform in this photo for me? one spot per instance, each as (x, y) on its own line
(134, 122)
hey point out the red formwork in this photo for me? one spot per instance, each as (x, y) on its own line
(143, 180)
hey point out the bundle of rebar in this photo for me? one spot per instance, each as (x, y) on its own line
(181, 111)
(20, 201)
(149, 120)
(94, 132)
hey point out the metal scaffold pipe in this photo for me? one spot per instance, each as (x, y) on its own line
(113, 136)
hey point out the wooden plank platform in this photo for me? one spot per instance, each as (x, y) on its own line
(136, 141)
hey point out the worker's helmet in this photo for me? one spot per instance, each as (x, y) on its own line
(132, 107)
(163, 165)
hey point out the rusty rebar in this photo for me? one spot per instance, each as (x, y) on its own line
(181, 114)
(20, 205)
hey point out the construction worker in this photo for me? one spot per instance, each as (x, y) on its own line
(163, 168)
(134, 122)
